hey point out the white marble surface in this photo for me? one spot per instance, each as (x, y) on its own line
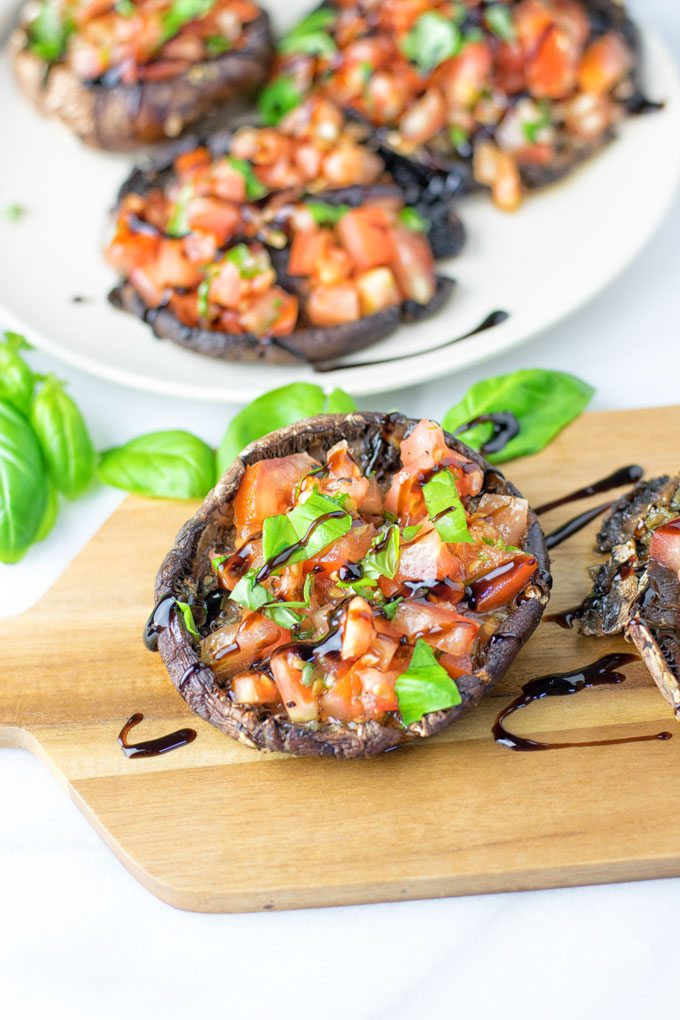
(80, 939)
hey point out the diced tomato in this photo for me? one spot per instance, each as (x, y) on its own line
(604, 64)
(532, 20)
(367, 235)
(386, 97)
(589, 116)
(424, 119)
(413, 266)
(172, 268)
(508, 515)
(351, 548)
(144, 282)
(378, 695)
(382, 651)
(226, 286)
(275, 313)
(424, 447)
(200, 247)
(227, 182)
(665, 545)
(504, 583)
(300, 701)
(572, 16)
(333, 306)
(426, 558)
(185, 307)
(187, 162)
(456, 665)
(268, 488)
(214, 216)
(342, 701)
(254, 689)
(351, 164)
(510, 69)
(551, 73)
(358, 631)
(465, 77)
(129, 250)
(236, 646)
(307, 250)
(441, 627)
(334, 267)
(308, 161)
(377, 290)
(498, 170)
(405, 496)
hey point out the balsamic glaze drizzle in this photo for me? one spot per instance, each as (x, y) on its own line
(158, 620)
(623, 476)
(158, 745)
(505, 428)
(597, 674)
(493, 319)
(576, 524)
(281, 558)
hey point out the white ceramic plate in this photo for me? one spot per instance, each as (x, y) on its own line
(566, 244)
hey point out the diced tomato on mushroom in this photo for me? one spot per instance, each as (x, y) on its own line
(441, 627)
(267, 489)
(274, 313)
(604, 64)
(300, 701)
(665, 545)
(366, 233)
(235, 647)
(342, 700)
(508, 515)
(351, 548)
(426, 558)
(307, 250)
(215, 217)
(502, 584)
(333, 306)
(254, 689)
(358, 631)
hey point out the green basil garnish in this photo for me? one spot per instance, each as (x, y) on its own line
(389, 609)
(542, 401)
(277, 99)
(23, 484)
(432, 40)
(14, 213)
(49, 32)
(250, 263)
(178, 223)
(284, 530)
(255, 189)
(445, 507)
(64, 439)
(276, 409)
(325, 214)
(532, 129)
(216, 45)
(170, 465)
(425, 686)
(310, 36)
(382, 559)
(16, 378)
(188, 615)
(181, 13)
(252, 595)
(410, 532)
(499, 19)
(413, 220)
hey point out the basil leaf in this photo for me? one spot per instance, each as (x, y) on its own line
(310, 35)
(284, 530)
(277, 99)
(249, 593)
(532, 129)
(50, 515)
(64, 438)
(187, 612)
(23, 484)
(255, 189)
(16, 378)
(14, 213)
(216, 45)
(283, 616)
(125, 7)
(49, 32)
(410, 532)
(425, 686)
(413, 220)
(178, 224)
(323, 213)
(389, 610)
(432, 40)
(181, 13)
(445, 508)
(306, 596)
(250, 263)
(542, 401)
(499, 19)
(274, 410)
(171, 465)
(252, 595)
(382, 559)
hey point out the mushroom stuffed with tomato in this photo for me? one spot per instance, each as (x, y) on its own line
(506, 95)
(271, 244)
(125, 73)
(353, 583)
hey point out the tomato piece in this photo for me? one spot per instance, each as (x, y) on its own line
(464, 78)
(424, 447)
(424, 119)
(440, 626)
(351, 548)
(226, 286)
(172, 268)
(300, 701)
(275, 313)
(351, 164)
(664, 547)
(551, 73)
(377, 290)
(187, 162)
(268, 488)
(413, 266)
(508, 514)
(378, 694)
(214, 216)
(342, 701)
(236, 646)
(307, 250)
(502, 584)
(226, 182)
(185, 308)
(254, 689)
(367, 236)
(358, 630)
(456, 665)
(604, 64)
(129, 250)
(532, 20)
(426, 558)
(333, 306)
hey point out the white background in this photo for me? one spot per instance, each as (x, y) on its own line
(80, 939)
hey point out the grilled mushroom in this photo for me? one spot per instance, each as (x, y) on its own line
(326, 677)
(125, 75)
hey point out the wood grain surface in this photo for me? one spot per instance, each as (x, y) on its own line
(216, 826)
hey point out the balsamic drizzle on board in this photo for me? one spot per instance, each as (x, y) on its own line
(158, 745)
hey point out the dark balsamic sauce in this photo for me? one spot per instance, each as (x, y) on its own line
(152, 748)
(283, 557)
(598, 674)
(158, 621)
(566, 619)
(505, 428)
(623, 476)
(574, 525)
(493, 319)
(639, 104)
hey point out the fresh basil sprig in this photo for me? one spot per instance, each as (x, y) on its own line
(23, 484)
(255, 189)
(445, 508)
(49, 32)
(172, 464)
(425, 686)
(325, 214)
(284, 530)
(181, 12)
(499, 19)
(16, 378)
(250, 594)
(277, 99)
(188, 616)
(64, 438)
(276, 409)
(542, 401)
(310, 36)
(432, 40)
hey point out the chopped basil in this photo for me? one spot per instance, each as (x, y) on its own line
(308, 674)
(277, 99)
(283, 616)
(410, 532)
(216, 45)
(310, 36)
(181, 13)
(445, 508)
(425, 686)
(178, 224)
(217, 561)
(389, 610)
(432, 40)
(459, 137)
(533, 128)
(325, 214)
(499, 19)
(250, 263)
(413, 220)
(284, 530)
(202, 301)
(14, 213)
(255, 189)
(249, 593)
(382, 559)
(49, 32)
(188, 615)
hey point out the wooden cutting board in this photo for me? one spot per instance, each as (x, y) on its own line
(215, 826)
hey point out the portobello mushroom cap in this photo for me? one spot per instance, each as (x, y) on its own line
(373, 439)
(122, 117)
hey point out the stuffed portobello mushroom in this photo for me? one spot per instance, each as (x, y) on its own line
(275, 245)
(506, 95)
(636, 592)
(353, 583)
(134, 72)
